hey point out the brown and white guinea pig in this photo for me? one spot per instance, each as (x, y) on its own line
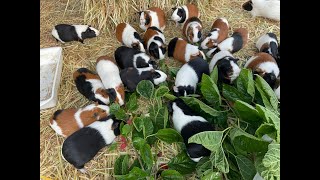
(188, 123)
(129, 57)
(182, 51)
(89, 84)
(265, 8)
(132, 76)
(127, 35)
(84, 144)
(153, 16)
(218, 33)
(237, 41)
(66, 33)
(155, 42)
(192, 29)
(264, 65)
(228, 69)
(67, 121)
(109, 74)
(180, 14)
(268, 43)
(189, 75)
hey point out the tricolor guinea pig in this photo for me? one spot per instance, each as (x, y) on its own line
(182, 51)
(268, 43)
(67, 121)
(265, 8)
(189, 123)
(89, 84)
(127, 35)
(66, 33)
(109, 74)
(129, 57)
(192, 29)
(132, 76)
(84, 144)
(218, 33)
(228, 69)
(180, 14)
(153, 16)
(189, 75)
(264, 65)
(154, 41)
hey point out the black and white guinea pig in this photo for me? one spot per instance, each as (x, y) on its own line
(109, 74)
(189, 75)
(66, 33)
(81, 146)
(268, 43)
(182, 51)
(155, 42)
(237, 41)
(219, 32)
(192, 29)
(89, 84)
(228, 69)
(180, 14)
(127, 35)
(153, 16)
(265, 8)
(132, 76)
(264, 65)
(189, 123)
(129, 57)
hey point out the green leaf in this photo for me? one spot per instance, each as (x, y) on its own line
(264, 98)
(214, 75)
(161, 91)
(203, 165)
(114, 108)
(113, 146)
(132, 103)
(145, 88)
(199, 106)
(265, 128)
(264, 86)
(126, 129)
(169, 135)
(147, 127)
(171, 175)
(138, 123)
(173, 71)
(121, 165)
(212, 175)
(232, 94)
(210, 91)
(146, 155)
(247, 169)
(138, 142)
(159, 116)
(135, 164)
(121, 114)
(245, 82)
(271, 161)
(270, 117)
(247, 113)
(182, 163)
(135, 174)
(219, 160)
(209, 139)
(170, 96)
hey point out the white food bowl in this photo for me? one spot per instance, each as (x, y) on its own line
(50, 73)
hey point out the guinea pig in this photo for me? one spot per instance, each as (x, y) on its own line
(127, 35)
(84, 144)
(154, 41)
(264, 65)
(66, 33)
(67, 121)
(89, 84)
(110, 76)
(153, 16)
(129, 57)
(218, 33)
(268, 43)
(181, 13)
(182, 51)
(189, 75)
(132, 76)
(189, 123)
(228, 69)
(192, 30)
(265, 8)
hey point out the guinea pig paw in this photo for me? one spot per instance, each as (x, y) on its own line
(83, 170)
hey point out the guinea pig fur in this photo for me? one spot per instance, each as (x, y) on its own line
(129, 57)
(188, 123)
(228, 69)
(132, 76)
(67, 121)
(264, 65)
(153, 16)
(218, 33)
(268, 43)
(154, 42)
(182, 51)
(127, 35)
(66, 33)
(181, 13)
(192, 30)
(84, 144)
(189, 75)
(110, 76)
(265, 8)
(89, 84)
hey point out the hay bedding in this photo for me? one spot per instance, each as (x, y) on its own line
(102, 14)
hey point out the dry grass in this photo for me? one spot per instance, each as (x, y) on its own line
(105, 15)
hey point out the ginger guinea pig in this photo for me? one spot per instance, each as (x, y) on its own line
(127, 35)
(154, 41)
(153, 16)
(180, 14)
(66, 33)
(218, 33)
(192, 30)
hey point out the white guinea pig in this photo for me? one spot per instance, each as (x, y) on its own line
(265, 8)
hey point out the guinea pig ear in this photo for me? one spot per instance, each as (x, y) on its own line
(174, 8)
(139, 13)
(235, 60)
(175, 89)
(247, 6)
